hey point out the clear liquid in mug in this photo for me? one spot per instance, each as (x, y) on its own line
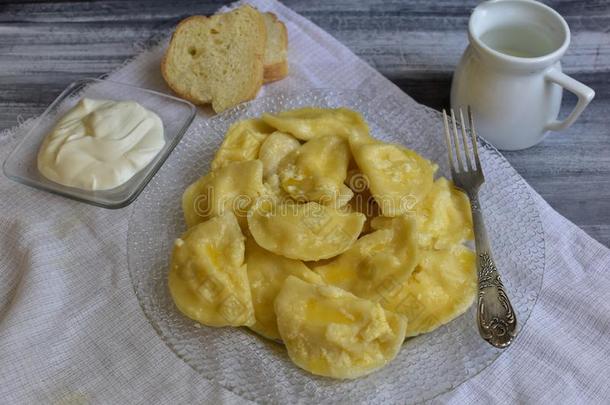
(524, 41)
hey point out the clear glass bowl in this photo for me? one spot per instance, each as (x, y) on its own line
(260, 370)
(176, 114)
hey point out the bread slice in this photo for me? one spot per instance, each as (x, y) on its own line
(275, 61)
(217, 59)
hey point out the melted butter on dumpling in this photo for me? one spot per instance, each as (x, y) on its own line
(330, 332)
(375, 262)
(266, 273)
(398, 177)
(442, 287)
(242, 142)
(229, 188)
(316, 171)
(302, 231)
(207, 279)
(444, 216)
(312, 122)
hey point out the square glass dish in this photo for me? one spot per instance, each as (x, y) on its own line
(176, 114)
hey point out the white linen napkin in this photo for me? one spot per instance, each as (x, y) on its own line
(71, 329)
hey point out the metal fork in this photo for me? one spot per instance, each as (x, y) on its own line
(495, 315)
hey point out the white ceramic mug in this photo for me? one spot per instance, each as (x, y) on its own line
(511, 76)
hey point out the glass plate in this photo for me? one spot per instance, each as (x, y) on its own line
(260, 370)
(176, 114)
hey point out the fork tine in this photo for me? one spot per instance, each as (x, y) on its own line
(458, 155)
(448, 141)
(473, 135)
(464, 130)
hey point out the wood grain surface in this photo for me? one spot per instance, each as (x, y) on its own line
(415, 43)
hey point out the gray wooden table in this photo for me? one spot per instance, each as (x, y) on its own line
(45, 45)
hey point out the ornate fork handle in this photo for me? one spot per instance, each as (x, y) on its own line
(495, 315)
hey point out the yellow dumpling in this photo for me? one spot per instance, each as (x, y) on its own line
(376, 261)
(330, 332)
(242, 142)
(316, 171)
(444, 216)
(312, 122)
(207, 279)
(303, 231)
(266, 273)
(442, 287)
(398, 178)
(275, 148)
(231, 188)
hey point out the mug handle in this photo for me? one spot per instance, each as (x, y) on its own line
(584, 93)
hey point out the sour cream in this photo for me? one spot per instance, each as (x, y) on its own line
(100, 144)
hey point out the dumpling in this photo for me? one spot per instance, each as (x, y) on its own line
(398, 178)
(207, 279)
(330, 332)
(303, 231)
(242, 142)
(444, 216)
(275, 148)
(441, 288)
(231, 188)
(311, 122)
(376, 261)
(316, 171)
(266, 273)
